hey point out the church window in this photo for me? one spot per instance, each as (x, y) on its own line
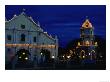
(34, 39)
(9, 37)
(39, 33)
(22, 26)
(22, 37)
(8, 49)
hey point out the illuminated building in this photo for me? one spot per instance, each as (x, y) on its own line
(25, 40)
(86, 47)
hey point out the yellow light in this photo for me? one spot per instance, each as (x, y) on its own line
(87, 42)
(83, 56)
(24, 53)
(68, 56)
(78, 43)
(26, 58)
(96, 44)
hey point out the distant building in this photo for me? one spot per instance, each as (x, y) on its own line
(86, 48)
(25, 40)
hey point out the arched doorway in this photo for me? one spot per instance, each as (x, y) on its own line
(45, 54)
(23, 55)
(93, 55)
(82, 54)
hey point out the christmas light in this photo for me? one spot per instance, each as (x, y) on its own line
(31, 45)
(68, 56)
(83, 56)
(41, 53)
(20, 57)
(26, 58)
(23, 53)
(53, 57)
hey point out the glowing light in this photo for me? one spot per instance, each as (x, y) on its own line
(26, 58)
(83, 56)
(24, 53)
(101, 56)
(20, 57)
(78, 43)
(96, 44)
(63, 56)
(87, 24)
(89, 54)
(41, 53)
(31, 45)
(87, 42)
(68, 56)
(53, 57)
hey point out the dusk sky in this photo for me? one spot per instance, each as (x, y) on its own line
(64, 20)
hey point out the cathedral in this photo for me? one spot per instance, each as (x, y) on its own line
(25, 40)
(86, 48)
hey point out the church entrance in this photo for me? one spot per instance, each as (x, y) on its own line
(23, 55)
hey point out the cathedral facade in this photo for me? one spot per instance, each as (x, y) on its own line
(86, 48)
(26, 40)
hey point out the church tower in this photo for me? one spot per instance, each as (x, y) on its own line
(87, 34)
(86, 47)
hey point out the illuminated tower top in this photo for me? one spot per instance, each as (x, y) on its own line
(87, 33)
(87, 24)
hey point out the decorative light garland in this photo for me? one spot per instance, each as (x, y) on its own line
(30, 45)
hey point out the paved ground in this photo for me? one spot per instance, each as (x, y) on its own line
(59, 65)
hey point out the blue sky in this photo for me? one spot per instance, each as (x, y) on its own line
(63, 20)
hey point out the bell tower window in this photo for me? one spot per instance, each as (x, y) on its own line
(34, 39)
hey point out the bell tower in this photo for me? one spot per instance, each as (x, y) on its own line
(86, 47)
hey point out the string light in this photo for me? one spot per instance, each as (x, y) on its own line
(20, 57)
(30, 45)
(23, 53)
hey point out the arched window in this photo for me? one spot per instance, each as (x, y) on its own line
(82, 54)
(9, 37)
(22, 37)
(34, 39)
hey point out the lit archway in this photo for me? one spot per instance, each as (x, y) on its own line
(82, 54)
(93, 54)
